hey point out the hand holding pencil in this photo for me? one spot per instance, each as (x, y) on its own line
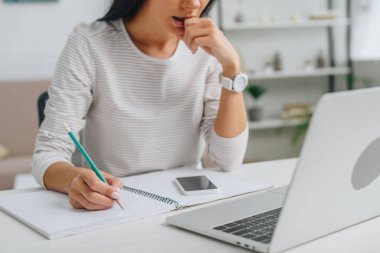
(93, 190)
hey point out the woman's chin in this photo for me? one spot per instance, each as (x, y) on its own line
(179, 32)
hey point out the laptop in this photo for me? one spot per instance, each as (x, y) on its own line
(336, 183)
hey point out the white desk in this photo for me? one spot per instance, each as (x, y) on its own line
(153, 235)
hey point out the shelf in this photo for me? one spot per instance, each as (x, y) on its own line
(274, 123)
(302, 73)
(288, 24)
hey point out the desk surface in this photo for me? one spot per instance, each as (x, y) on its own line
(153, 235)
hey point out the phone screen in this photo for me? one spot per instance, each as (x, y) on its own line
(196, 183)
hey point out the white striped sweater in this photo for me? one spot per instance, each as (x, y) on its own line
(137, 113)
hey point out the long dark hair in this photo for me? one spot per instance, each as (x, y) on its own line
(127, 9)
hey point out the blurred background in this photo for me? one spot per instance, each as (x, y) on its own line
(293, 50)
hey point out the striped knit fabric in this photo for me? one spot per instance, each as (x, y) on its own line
(137, 113)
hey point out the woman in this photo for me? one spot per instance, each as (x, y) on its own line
(143, 85)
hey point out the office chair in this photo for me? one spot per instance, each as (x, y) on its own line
(41, 106)
(42, 99)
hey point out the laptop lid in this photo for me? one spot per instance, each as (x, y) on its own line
(336, 182)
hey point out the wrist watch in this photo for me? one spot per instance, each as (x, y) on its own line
(237, 84)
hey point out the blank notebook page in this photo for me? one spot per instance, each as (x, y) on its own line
(51, 214)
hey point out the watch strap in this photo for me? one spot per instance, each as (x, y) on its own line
(226, 82)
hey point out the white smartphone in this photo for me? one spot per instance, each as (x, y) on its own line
(196, 185)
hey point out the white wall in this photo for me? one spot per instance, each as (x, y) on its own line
(366, 42)
(32, 35)
(366, 31)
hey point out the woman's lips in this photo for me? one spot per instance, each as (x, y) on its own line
(179, 21)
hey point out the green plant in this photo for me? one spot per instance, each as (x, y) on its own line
(359, 80)
(256, 91)
(255, 110)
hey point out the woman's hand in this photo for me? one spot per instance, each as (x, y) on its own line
(203, 32)
(87, 191)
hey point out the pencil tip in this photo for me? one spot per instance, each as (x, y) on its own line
(121, 206)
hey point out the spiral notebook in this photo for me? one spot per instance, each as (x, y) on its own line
(51, 214)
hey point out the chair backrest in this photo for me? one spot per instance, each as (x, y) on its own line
(41, 106)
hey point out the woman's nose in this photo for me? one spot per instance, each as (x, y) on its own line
(191, 4)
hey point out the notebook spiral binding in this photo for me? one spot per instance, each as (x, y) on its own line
(162, 199)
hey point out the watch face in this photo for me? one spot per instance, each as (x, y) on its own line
(240, 82)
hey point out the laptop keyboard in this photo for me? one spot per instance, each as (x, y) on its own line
(259, 227)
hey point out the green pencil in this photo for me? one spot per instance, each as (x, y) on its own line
(88, 158)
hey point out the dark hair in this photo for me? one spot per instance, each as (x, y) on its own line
(127, 9)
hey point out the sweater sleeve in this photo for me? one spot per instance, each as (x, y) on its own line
(226, 153)
(69, 100)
